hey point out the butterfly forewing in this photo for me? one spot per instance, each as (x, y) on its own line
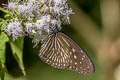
(79, 61)
(61, 51)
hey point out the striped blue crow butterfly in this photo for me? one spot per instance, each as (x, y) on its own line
(60, 51)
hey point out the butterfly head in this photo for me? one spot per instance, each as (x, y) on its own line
(55, 30)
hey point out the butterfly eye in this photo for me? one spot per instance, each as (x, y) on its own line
(61, 51)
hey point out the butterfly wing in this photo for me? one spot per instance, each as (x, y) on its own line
(61, 51)
(79, 61)
(53, 53)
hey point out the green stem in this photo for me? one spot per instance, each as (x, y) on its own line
(5, 11)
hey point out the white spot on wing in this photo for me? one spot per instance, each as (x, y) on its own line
(76, 69)
(70, 67)
(73, 49)
(81, 51)
(75, 63)
(80, 62)
(75, 56)
(88, 67)
(82, 58)
(70, 52)
(47, 60)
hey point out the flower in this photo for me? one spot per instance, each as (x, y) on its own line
(45, 21)
(24, 9)
(67, 15)
(15, 29)
(33, 5)
(39, 17)
(35, 31)
(30, 29)
(12, 6)
(61, 9)
(56, 24)
(31, 8)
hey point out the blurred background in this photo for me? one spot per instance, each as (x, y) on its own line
(95, 26)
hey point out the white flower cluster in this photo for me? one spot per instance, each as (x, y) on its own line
(38, 17)
(14, 28)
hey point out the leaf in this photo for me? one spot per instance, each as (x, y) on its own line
(8, 16)
(2, 72)
(1, 20)
(3, 24)
(3, 40)
(17, 49)
(3, 37)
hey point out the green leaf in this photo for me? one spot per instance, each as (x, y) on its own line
(3, 24)
(2, 72)
(3, 40)
(3, 37)
(17, 49)
(8, 16)
(1, 20)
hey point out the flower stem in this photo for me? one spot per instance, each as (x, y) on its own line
(5, 11)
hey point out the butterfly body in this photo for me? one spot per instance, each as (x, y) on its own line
(61, 51)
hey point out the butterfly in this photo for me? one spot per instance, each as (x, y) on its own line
(60, 51)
